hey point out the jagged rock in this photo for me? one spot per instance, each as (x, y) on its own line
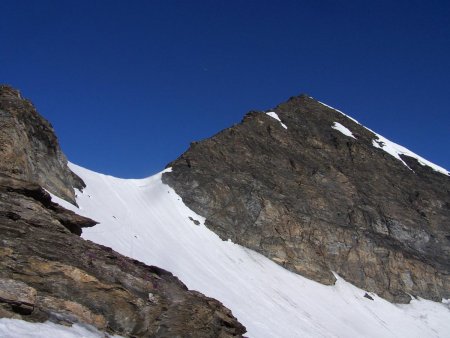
(366, 295)
(29, 148)
(315, 200)
(28, 203)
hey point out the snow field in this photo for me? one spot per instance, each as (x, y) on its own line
(146, 220)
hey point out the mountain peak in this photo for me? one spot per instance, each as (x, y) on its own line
(312, 192)
(7, 91)
(305, 111)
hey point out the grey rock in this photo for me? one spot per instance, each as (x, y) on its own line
(18, 295)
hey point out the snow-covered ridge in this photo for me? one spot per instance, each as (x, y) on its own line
(275, 116)
(351, 118)
(397, 150)
(392, 148)
(146, 220)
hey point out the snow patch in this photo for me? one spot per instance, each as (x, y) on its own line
(275, 116)
(342, 129)
(13, 328)
(152, 225)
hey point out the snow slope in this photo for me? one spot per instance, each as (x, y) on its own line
(145, 219)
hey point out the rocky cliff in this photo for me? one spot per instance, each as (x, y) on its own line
(316, 200)
(47, 272)
(29, 148)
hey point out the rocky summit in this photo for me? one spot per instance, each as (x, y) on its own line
(317, 193)
(48, 272)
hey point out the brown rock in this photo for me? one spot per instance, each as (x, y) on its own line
(74, 312)
(316, 201)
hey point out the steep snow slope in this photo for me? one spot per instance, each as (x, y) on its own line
(147, 220)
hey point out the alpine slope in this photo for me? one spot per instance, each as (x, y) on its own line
(146, 220)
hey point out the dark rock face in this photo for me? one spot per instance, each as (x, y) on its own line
(47, 272)
(316, 201)
(29, 149)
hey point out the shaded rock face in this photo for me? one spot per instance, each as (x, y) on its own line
(29, 149)
(316, 201)
(48, 272)
(29, 204)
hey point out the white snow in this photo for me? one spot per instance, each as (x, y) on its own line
(393, 148)
(396, 150)
(275, 116)
(148, 221)
(344, 130)
(15, 328)
(351, 118)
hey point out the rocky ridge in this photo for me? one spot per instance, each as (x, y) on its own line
(29, 148)
(47, 272)
(315, 200)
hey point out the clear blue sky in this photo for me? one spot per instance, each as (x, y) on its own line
(129, 84)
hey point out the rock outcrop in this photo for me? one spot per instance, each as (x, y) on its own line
(315, 200)
(29, 204)
(48, 272)
(58, 276)
(29, 149)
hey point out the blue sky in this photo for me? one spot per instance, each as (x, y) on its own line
(129, 84)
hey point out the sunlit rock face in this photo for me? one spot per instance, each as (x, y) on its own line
(318, 193)
(29, 149)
